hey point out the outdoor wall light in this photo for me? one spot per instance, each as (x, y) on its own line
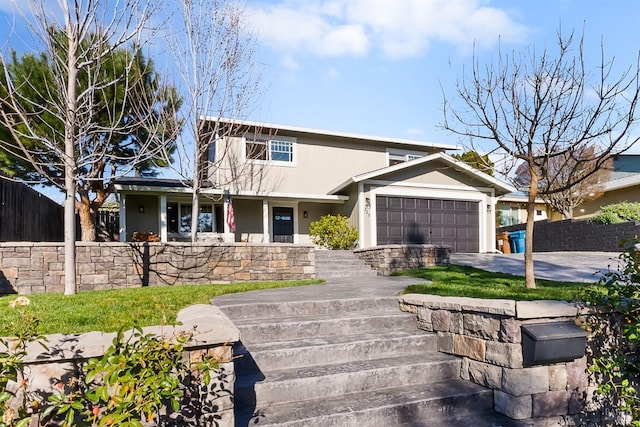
(141, 208)
(305, 214)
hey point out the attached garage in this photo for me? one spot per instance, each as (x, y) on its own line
(434, 200)
(407, 220)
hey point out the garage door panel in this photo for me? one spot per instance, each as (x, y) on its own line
(436, 221)
(449, 219)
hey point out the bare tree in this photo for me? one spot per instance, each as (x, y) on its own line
(562, 169)
(537, 108)
(52, 122)
(214, 57)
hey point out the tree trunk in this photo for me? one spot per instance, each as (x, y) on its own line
(69, 171)
(529, 277)
(87, 223)
(195, 186)
(195, 208)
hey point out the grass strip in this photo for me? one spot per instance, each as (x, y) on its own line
(456, 280)
(109, 311)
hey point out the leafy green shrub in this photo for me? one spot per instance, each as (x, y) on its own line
(333, 232)
(617, 213)
(132, 382)
(615, 339)
(140, 378)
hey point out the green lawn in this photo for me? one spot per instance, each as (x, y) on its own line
(108, 311)
(455, 280)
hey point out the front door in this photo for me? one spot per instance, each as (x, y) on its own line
(283, 225)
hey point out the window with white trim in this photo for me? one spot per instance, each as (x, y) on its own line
(277, 149)
(396, 157)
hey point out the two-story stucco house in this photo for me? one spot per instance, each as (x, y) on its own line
(393, 190)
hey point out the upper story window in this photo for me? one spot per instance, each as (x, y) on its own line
(396, 157)
(281, 151)
(277, 149)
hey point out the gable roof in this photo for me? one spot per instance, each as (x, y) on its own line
(501, 187)
(345, 135)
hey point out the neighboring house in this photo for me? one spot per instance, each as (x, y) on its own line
(512, 209)
(393, 190)
(623, 185)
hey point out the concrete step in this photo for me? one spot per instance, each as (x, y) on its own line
(336, 274)
(333, 380)
(257, 331)
(330, 350)
(335, 264)
(433, 403)
(310, 308)
(348, 362)
(335, 254)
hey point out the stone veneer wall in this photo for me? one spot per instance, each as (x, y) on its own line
(487, 335)
(28, 268)
(389, 258)
(215, 335)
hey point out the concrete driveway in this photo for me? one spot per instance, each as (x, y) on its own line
(565, 266)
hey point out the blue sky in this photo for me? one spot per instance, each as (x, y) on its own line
(379, 67)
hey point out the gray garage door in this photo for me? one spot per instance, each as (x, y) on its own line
(403, 220)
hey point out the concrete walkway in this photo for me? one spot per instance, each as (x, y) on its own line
(568, 266)
(565, 266)
(342, 288)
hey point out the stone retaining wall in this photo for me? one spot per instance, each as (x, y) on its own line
(389, 258)
(214, 334)
(28, 268)
(487, 335)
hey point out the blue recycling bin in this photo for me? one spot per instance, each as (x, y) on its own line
(517, 241)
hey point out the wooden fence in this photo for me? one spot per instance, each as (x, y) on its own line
(27, 215)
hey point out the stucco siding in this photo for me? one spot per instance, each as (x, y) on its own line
(435, 174)
(629, 194)
(146, 221)
(313, 171)
(248, 216)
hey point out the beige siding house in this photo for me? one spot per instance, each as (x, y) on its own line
(281, 178)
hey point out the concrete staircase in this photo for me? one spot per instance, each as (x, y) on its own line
(348, 362)
(337, 264)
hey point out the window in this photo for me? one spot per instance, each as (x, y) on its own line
(281, 151)
(211, 152)
(256, 149)
(263, 148)
(396, 157)
(508, 215)
(179, 218)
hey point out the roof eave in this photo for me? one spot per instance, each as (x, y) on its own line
(346, 135)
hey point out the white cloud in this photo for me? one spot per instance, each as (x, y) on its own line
(393, 28)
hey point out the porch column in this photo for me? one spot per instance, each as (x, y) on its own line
(225, 212)
(162, 220)
(361, 215)
(123, 217)
(266, 235)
